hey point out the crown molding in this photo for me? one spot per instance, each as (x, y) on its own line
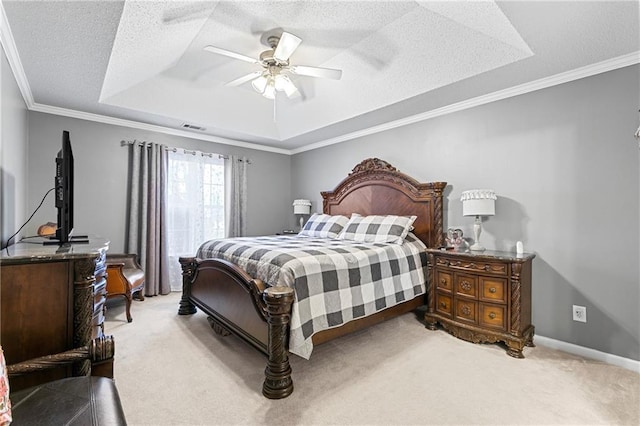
(151, 127)
(8, 44)
(543, 83)
(10, 49)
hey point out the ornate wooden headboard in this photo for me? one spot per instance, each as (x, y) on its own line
(376, 187)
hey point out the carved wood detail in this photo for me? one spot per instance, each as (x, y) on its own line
(99, 349)
(189, 265)
(438, 226)
(84, 279)
(516, 268)
(372, 164)
(486, 267)
(218, 327)
(277, 382)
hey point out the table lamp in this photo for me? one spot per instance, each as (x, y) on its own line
(301, 207)
(478, 202)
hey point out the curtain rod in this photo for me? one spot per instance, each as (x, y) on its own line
(186, 151)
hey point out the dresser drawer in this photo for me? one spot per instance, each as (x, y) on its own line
(466, 285)
(100, 286)
(467, 311)
(101, 264)
(493, 289)
(494, 316)
(444, 280)
(443, 304)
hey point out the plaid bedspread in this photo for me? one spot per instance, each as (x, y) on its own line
(335, 281)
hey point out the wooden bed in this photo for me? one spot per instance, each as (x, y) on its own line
(259, 314)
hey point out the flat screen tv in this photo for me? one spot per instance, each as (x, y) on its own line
(64, 195)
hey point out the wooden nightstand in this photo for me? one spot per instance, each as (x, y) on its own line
(481, 296)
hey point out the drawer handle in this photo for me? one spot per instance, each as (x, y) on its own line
(492, 290)
(465, 285)
(443, 281)
(443, 305)
(492, 315)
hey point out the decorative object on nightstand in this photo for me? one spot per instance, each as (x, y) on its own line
(455, 241)
(301, 207)
(481, 296)
(478, 202)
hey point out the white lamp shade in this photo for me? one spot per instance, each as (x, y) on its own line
(478, 202)
(301, 206)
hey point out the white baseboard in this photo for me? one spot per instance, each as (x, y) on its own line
(629, 364)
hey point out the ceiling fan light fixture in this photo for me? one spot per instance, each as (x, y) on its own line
(274, 62)
(284, 84)
(260, 83)
(269, 92)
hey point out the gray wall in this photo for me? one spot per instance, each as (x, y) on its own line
(564, 164)
(101, 167)
(13, 153)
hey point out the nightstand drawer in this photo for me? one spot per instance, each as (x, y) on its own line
(473, 266)
(467, 311)
(444, 281)
(493, 289)
(466, 285)
(494, 316)
(443, 304)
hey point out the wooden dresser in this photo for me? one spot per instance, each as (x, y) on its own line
(52, 300)
(481, 296)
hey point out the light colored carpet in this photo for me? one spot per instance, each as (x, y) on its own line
(173, 369)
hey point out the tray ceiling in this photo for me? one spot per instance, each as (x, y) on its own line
(144, 61)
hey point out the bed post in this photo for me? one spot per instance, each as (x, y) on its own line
(189, 265)
(277, 382)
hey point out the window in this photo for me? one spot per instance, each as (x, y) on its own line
(195, 206)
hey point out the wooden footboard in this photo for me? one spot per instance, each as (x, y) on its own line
(237, 303)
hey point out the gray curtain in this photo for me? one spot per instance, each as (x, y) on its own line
(236, 195)
(146, 227)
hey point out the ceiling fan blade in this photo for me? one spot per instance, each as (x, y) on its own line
(231, 54)
(316, 72)
(286, 46)
(244, 79)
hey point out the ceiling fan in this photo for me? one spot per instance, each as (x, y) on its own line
(274, 77)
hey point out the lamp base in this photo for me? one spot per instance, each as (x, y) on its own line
(477, 229)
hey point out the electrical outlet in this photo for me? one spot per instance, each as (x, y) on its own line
(579, 313)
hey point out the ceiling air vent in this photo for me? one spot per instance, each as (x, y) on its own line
(192, 127)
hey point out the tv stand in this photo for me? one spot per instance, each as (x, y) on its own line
(75, 239)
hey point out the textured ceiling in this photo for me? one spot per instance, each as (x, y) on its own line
(144, 61)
